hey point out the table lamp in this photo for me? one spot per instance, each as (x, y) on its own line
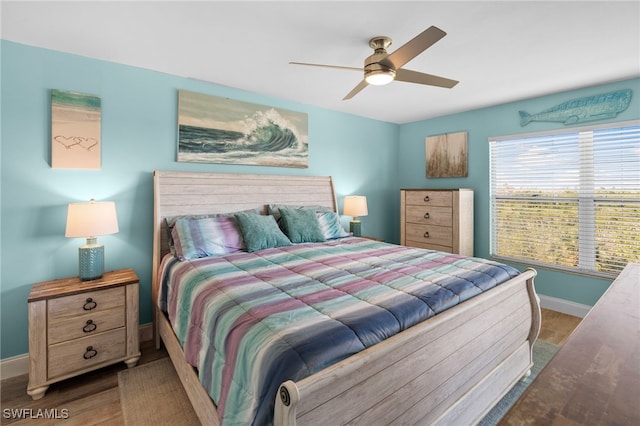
(355, 206)
(89, 220)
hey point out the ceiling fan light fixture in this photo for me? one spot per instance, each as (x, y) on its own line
(380, 77)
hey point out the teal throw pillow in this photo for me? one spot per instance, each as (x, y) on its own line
(260, 232)
(274, 209)
(301, 225)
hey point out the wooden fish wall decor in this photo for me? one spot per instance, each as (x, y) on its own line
(580, 110)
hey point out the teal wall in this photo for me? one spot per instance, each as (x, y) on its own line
(497, 121)
(139, 113)
(139, 109)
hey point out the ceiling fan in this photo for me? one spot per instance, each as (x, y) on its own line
(382, 67)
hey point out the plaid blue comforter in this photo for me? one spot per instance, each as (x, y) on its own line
(250, 321)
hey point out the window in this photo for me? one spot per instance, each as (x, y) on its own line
(569, 200)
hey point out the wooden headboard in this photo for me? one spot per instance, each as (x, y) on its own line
(185, 193)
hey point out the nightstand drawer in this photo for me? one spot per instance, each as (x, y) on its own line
(430, 198)
(91, 301)
(439, 235)
(83, 353)
(441, 216)
(85, 325)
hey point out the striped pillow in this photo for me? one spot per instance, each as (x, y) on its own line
(330, 225)
(195, 238)
(171, 222)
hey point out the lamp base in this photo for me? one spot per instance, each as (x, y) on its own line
(91, 261)
(355, 227)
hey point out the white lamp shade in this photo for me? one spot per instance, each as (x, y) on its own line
(355, 205)
(91, 219)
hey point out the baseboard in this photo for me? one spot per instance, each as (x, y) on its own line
(19, 364)
(565, 306)
(14, 366)
(146, 332)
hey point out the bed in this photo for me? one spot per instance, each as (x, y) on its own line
(448, 369)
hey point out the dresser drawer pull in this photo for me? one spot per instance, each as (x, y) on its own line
(89, 326)
(426, 234)
(90, 304)
(426, 198)
(426, 215)
(90, 353)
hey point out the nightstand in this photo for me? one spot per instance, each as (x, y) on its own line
(77, 326)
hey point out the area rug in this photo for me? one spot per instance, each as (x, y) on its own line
(151, 394)
(542, 354)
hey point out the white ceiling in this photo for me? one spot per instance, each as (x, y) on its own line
(500, 51)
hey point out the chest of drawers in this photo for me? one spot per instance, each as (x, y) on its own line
(437, 219)
(77, 326)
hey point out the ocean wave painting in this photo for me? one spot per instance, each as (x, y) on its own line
(212, 129)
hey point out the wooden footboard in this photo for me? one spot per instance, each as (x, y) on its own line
(451, 369)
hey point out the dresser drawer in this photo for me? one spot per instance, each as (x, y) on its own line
(429, 198)
(88, 324)
(75, 355)
(437, 247)
(91, 301)
(440, 216)
(428, 234)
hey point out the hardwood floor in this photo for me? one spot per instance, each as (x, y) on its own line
(94, 399)
(556, 327)
(91, 399)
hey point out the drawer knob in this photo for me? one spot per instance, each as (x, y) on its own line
(426, 198)
(426, 234)
(90, 304)
(89, 326)
(90, 353)
(426, 215)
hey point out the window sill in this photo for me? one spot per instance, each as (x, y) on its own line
(566, 270)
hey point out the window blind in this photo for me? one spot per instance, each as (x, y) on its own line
(569, 199)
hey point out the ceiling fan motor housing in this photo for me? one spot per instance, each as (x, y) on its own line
(374, 71)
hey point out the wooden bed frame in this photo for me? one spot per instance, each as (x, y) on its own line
(450, 369)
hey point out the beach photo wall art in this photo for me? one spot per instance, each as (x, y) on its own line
(75, 130)
(447, 155)
(213, 129)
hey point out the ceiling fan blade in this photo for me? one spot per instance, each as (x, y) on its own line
(422, 78)
(327, 66)
(355, 90)
(413, 47)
